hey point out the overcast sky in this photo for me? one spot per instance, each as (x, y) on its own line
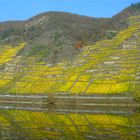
(24, 9)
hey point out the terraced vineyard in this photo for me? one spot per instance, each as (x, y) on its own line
(107, 67)
(94, 95)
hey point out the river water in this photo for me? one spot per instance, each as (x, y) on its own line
(66, 117)
(27, 124)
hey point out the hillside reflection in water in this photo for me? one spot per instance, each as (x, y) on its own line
(34, 125)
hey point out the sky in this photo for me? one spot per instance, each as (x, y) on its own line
(24, 9)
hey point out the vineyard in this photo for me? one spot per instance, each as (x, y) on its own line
(107, 67)
(53, 86)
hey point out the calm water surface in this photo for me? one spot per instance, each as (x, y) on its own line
(44, 125)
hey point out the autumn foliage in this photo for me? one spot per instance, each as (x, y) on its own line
(78, 45)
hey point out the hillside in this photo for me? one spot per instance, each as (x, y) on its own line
(109, 66)
(57, 33)
(120, 21)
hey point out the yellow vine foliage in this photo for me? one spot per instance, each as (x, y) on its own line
(107, 67)
(9, 53)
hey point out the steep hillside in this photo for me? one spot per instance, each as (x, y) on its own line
(52, 53)
(6, 32)
(55, 36)
(120, 21)
(56, 33)
(54, 24)
(107, 67)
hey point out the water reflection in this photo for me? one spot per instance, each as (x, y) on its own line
(34, 125)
